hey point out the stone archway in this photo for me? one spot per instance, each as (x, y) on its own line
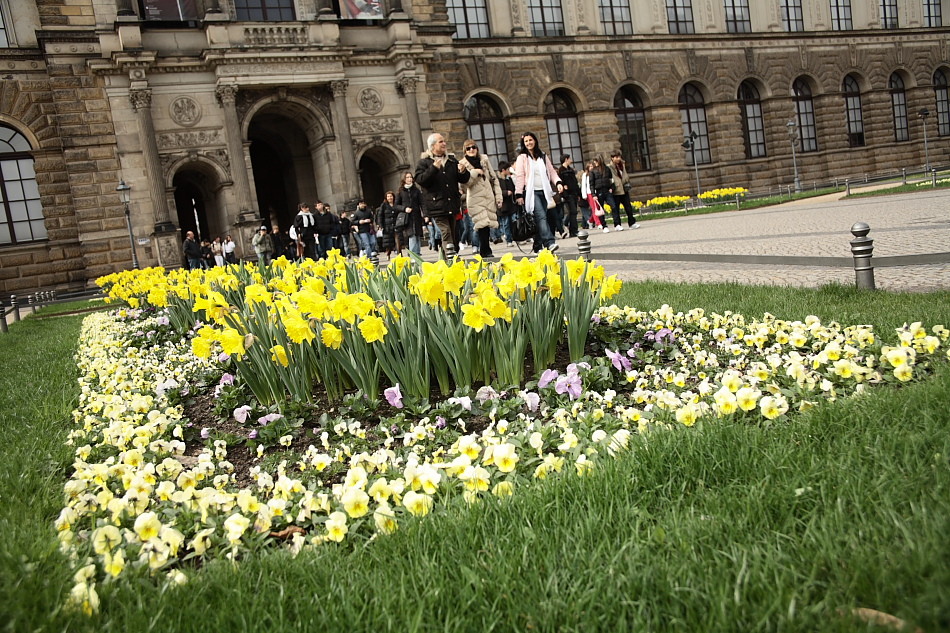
(197, 192)
(380, 170)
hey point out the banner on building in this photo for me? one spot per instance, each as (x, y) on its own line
(360, 10)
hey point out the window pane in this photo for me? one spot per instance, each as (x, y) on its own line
(470, 18)
(546, 17)
(21, 213)
(792, 18)
(615, 16)
(679, 16)
(10, 170)
(18, 211)
(932, 14)
(39, 230)
(737, 16)
(631, 122)
(841, 15)
(889, 14)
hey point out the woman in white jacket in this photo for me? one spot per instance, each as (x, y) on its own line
(483, 195)
(535, 181)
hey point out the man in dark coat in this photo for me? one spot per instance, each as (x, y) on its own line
(439, 175)
(192, 251)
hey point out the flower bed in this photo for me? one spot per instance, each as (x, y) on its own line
(727, 194)
(153, 491)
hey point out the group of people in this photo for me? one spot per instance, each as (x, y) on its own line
(208, 253)
(456, 201)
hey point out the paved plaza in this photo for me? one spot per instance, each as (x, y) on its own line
(813, 231)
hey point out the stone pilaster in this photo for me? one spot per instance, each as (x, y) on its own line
(341, 125)
(141, 99)
(247, 205)
(407, 88)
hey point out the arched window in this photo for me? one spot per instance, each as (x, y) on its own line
(852, 108)
(470, 18)
(486, 126)
(805, 113)
(22, 217)
(693, 116)
(899, 107)
(943, 103)
(560, 117)
(632, 123)
(753, 126)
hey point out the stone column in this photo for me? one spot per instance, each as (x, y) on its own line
(407, 87)
(124, 8)
(247, 205)
(341, 125)
(141, 99)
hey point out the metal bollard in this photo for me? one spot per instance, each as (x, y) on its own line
(583, 244)
(737, 201)
(933, 177)
(847, 187)
(16, 307)
(861, 248)
(903, 175)
(374, 259)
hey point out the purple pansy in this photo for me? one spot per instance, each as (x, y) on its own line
(547, 377)
(394, 396)
(241, 414)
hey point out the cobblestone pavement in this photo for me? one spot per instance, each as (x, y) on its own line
(903, 224)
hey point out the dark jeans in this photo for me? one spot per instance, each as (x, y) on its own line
(484, 241)
(324, 244)
(569, 207)
(615, 201)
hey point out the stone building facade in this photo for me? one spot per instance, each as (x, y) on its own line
(223, 114)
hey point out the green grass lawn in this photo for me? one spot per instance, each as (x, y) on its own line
(722, 527)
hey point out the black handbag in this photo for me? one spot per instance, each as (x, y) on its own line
(402, 220)
(522, 225)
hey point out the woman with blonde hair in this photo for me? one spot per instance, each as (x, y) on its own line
(483, 195)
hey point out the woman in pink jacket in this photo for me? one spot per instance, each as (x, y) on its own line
(535, 183)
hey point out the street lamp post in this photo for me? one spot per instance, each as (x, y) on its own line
(690, 144)
(793, 138)
(125, 196)
(923, 113)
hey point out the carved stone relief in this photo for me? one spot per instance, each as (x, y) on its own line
(375, 126)
(397, 141)
(370, 101)
(199, 138)
(185, 111)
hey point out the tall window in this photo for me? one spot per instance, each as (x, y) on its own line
(852, 108)
(943, 103)
(737, 16)
(615, 16)
(632, 123)
(888, 14)
(546, 17)
(932, 15)
(4, 41)
(805, 113)
(486, 126)
(792, 19)
(693, 116)
(470, 18)
(21, 218)
(841, 15)
(899, 107)
(560, 117)
(169, 10)
(679, 16)
(265, 10)
(753, 125)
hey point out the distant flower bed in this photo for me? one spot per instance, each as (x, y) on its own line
(723, 195)
(153, 491)
(666, 202)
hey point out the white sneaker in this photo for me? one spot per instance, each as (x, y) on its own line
(606, 230)
(618, 228)
(636, 225)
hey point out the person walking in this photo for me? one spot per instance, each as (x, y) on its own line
(192, 251)
(507, 208)
(603, 186)
(594, 210)
(229, 247)
(217, 250)
(409, 212)
(621, 190)
(278, 242)
(365, 228)
(572, 192)
(323, 227)
(386, 215)
(305, 232)
(439, 174)
(535, 180)
(263, 246)
(483, 195)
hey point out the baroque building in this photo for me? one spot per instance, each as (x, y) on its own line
(222, 115)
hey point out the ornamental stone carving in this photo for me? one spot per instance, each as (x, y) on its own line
(370, 101)
(226, 94)
(185, 111)
(375, 126)
(141, 98)
(338, 88)
(407, 85)
(200, 138)
(397, 142)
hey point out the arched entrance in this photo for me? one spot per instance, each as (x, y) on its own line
(289, 159)
(380, 170)
(197, 200)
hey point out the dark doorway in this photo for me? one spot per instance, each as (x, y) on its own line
(380, 172)
(190, 202)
